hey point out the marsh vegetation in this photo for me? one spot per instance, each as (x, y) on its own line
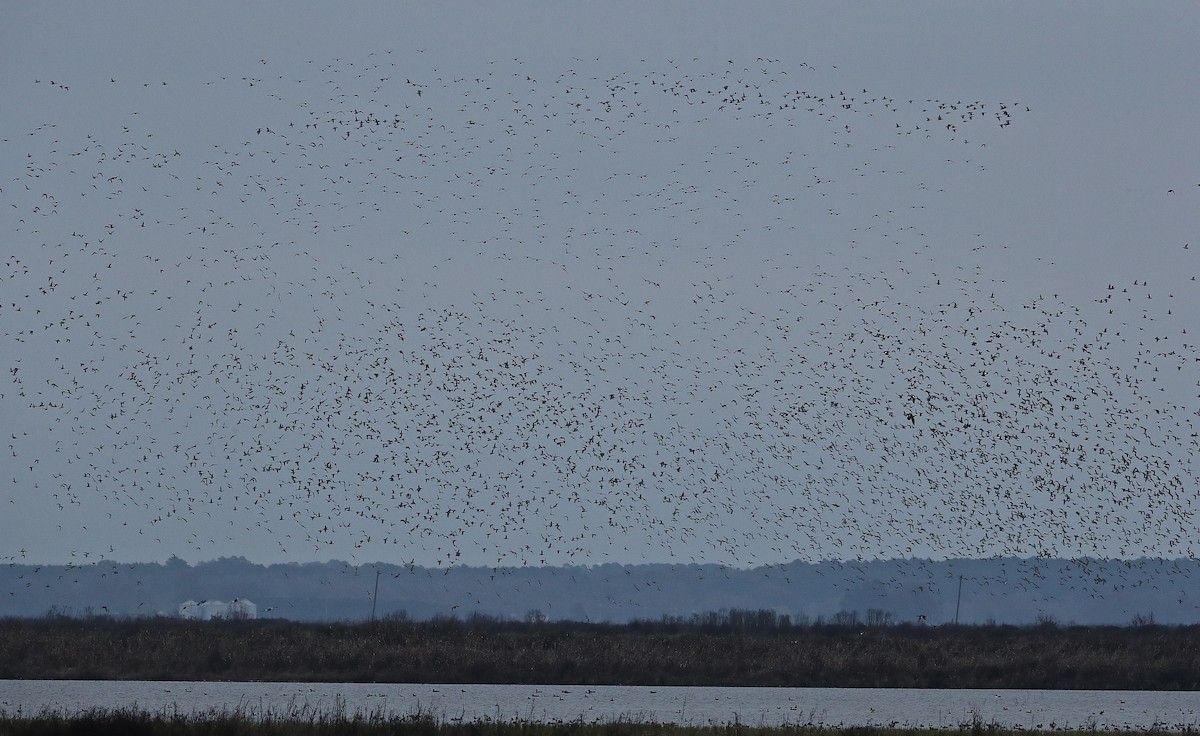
(727, 648)
(301, 722)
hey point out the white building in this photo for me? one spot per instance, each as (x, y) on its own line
(238, 608)
(242, 609)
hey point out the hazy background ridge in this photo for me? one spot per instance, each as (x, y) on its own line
(1012, 591)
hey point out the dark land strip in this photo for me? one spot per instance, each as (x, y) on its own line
(485, 650)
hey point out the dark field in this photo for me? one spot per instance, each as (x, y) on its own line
(739, 651)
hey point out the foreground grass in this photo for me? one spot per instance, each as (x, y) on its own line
(133, 722)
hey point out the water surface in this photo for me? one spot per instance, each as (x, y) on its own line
(688, 705)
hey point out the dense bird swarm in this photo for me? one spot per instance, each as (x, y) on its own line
(724, 310)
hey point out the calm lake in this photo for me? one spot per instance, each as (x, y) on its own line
(693, 705)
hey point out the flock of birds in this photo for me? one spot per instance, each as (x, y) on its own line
(711, 310)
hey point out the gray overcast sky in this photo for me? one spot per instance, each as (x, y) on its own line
(526, 283)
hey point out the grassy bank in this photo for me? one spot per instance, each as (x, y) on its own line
(132, 722)
(490, 651)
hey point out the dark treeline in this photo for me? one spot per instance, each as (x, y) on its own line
(723, 648)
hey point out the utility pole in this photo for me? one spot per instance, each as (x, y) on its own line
(375, 597)
(958, 605)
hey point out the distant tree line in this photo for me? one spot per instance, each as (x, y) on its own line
(1007, 590)
(761, 619)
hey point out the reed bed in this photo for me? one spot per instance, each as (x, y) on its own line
(492, 652)
(305, 721)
